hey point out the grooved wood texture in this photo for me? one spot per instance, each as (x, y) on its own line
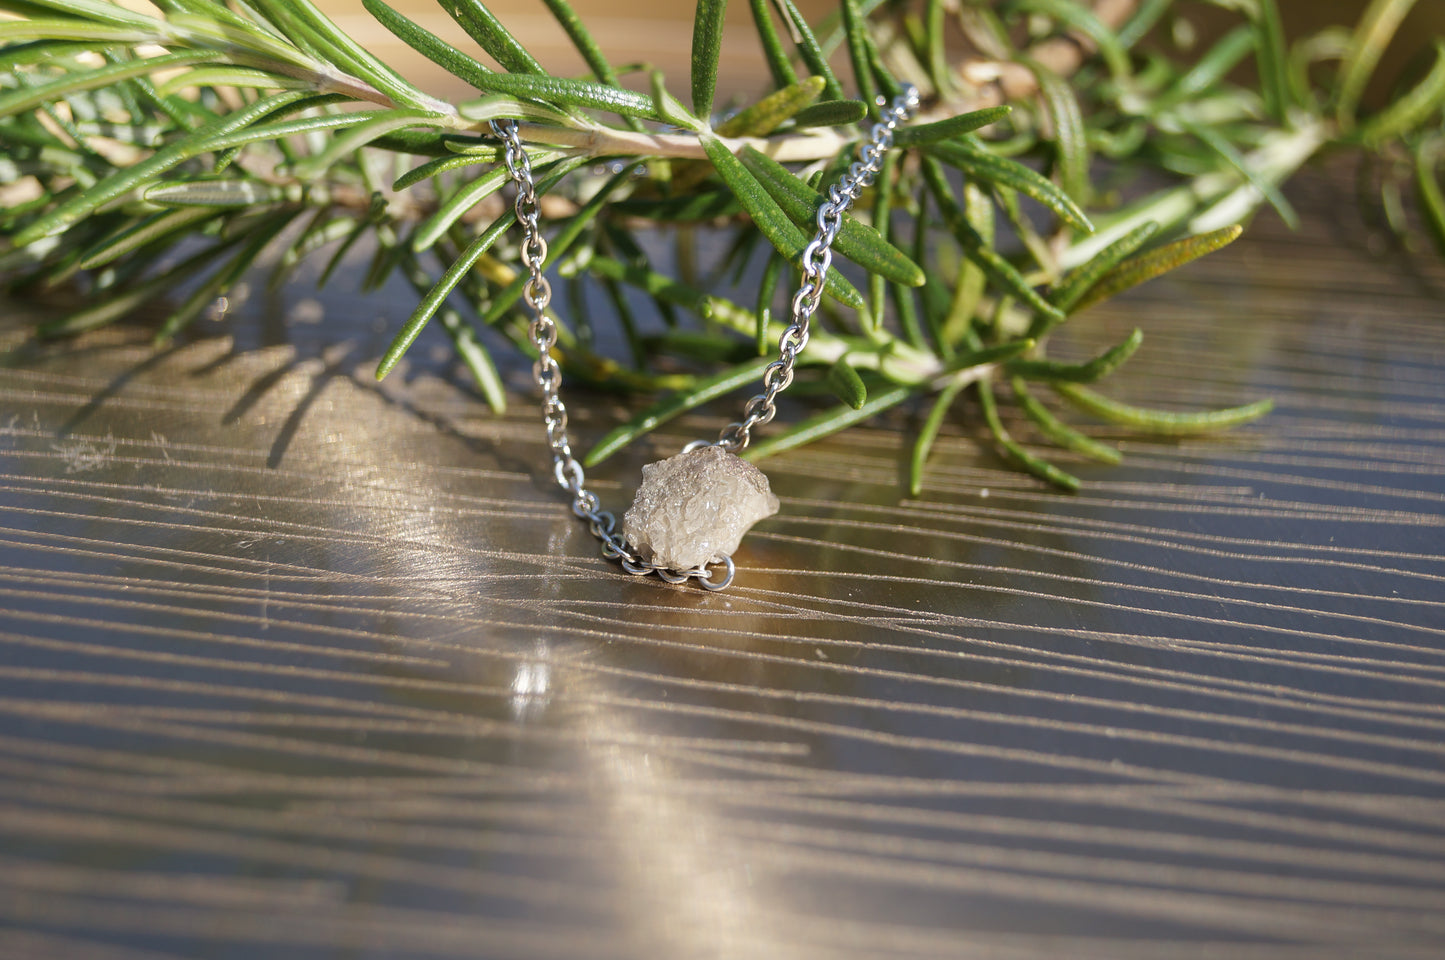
(293, 665)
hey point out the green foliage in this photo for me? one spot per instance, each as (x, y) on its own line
(707, 34)
(846, 383)
(856, 240)
(152, 156)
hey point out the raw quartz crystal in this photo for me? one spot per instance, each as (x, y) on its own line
(695, 507)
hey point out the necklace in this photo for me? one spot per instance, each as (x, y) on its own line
(691, 510)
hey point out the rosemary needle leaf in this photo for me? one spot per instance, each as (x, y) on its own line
(778, 62)
(1012, 449)
(302, 18)
(213, 193)
(769, 113)
(832, 113)
(95, 10)
(223, 76)
(420, 143)
(977, 250)
(459, 268)
(671, 110)
(19, 53)
(808, 48)
(1078, 281)
(429, 231)
(766, 290)
(360, 228)
(106, 312)
(857, 241)
(905, 305)
(303, 125)
(1427, 187)
(1414, 108)
(854, 31)
(428, 44)
(574, 93)
(436, 166)
(1079, 17)
(684, 209)
(627, 319)
(925, 133)
(1273, 59)
(826, 423)
(1142, 21)
(887, 83)
(221, 13)
(882, 218)
(111, 310)
(707, 31)
(258, 39)
(582, 39)
(936, 54)
(995, 354)
(359, 135)
(439, 291)
(1147, 266)
(661, 288)
(991, 168)
(1089, 372)
(1160, 422)
(781, 232)
(928, 433)
(89, 33)
(846, 385)
(321, 230)
(1377, 26)
(557, 247)
(1211, 68)
(261, 234)
(669, 407)
(978, 213)
(1216, 142)
(147, 231)
(477, 359)
(1058, 431)
(482, 26)
(1070, 139)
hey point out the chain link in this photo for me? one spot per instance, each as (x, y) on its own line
(537, 292)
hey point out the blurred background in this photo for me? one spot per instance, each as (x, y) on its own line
(659, 33)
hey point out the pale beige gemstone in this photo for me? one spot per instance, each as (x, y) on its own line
(695, 507)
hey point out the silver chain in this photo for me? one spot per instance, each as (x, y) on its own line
(548, 375)
(816, 259)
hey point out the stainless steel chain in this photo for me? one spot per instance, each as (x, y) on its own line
(548, 375)
(816, 259)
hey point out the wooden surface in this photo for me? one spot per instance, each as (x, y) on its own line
(293, 665)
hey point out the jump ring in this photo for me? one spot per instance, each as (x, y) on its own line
(569, 474)
(708, 583)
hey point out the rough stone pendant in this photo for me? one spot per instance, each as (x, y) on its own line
(693, 509)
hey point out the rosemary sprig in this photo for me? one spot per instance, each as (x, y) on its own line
(233, 128)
